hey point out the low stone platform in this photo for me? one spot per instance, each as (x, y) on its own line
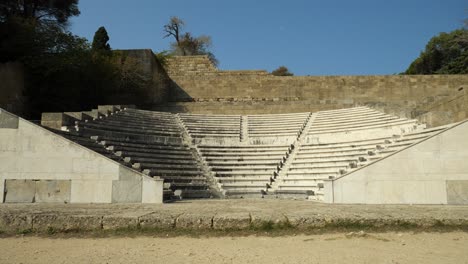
(252, 214)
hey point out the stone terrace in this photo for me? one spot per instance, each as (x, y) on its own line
(225, 214)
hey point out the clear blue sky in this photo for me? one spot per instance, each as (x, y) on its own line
(334, 37)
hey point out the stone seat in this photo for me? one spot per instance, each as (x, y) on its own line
(184, 179)
(214, 131)
(195, 194)
(313, 171)
(231, 179)
(244, 163)
(188, 185)
(151, 150)
(142, 118)
(351, 144)
(273, 134)
(215, 135)
(244, 186)
(153, 155)
(355, 153)
(314, 176)
(240, 168)
(354, 128)
(259, 159)
(115, 146)
(246, 148)
(242, 193)
(342, 111)
(362, 124)
(311, 167)
(128, 136)
(119, 141)
(166, 166)
(326, 120)
(279, 128)
(273, 123)
(296, 187)
(147, 125)
(355, 122)
(243, 173)
(163, 173)
(322, 163)
(337, 150)
(141, 121)
(155, 162)
(126, 129)
(243, 154)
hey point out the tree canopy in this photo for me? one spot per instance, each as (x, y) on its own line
(100, 41)
(48, 11)
(282, 71)
(185, 43)
(446, 53)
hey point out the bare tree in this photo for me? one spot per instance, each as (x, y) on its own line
(174, 28)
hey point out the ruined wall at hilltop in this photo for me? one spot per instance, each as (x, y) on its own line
(199, 87)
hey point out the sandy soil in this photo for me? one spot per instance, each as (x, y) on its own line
(324, 248)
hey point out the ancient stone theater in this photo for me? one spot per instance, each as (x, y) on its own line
(214, 134)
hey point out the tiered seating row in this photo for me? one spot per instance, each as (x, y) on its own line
(244, 171)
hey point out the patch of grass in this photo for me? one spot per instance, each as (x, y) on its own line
(24, 231)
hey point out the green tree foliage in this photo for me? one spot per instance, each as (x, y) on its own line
(446, 53)
(100, 41)
(185, 44)
(39, 11)
(282, 71)
(63, 73)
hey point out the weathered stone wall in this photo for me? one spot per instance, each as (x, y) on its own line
(448, 109)
(201, 88)
(11, 87)
(158, 82)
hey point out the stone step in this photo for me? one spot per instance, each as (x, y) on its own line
(344, 120)
(350, 154)
(243, 173)
(134, 154)
(125, 129)
(239, 168)
(233, 179)
(137, 125)
(243, 163)
(127, 136)
(162, 173)
(165, 151)
(323, 163)
(106, 141)
(337, 150)
(353, 128)
(359, 122)
(248, 154)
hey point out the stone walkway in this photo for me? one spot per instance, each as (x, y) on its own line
(226, 214)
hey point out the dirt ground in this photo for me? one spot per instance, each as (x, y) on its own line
(354, 247)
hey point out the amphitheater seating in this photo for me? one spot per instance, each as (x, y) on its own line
(276, 129)
(218, 129)
(357, 123)
(244, 171)
(314, 163)
(150, 142)
(246, 156)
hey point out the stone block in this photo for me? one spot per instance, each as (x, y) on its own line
(231, 221)
(62, 222)
(158, 220)
(457, 191)
(11, 222)
(113, 222)
(194, 221)
(126, 191)
(20, 191)
(54, 191)
(8, 120)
